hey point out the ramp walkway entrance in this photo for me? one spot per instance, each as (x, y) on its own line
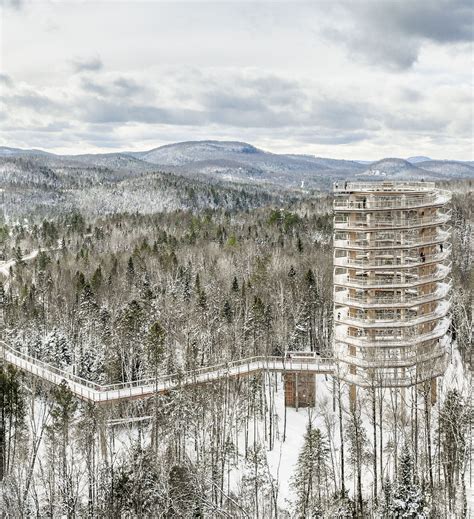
(92, 392)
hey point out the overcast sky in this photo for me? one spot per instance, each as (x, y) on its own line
(353, 79)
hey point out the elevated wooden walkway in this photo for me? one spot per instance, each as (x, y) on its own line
(112, 393)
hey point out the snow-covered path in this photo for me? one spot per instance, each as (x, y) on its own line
(5, 266)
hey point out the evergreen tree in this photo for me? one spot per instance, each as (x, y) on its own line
(18, 255)
(341, 507)
(357, 444)
(227, 312)
(453, 430)
(57, 349)
(130, 330)
(42, 260)
(299, 245)
(256, 481)
(135, 489)
(88, 307)
(200, 293)
(387, 498)
(183, 493)
(408, 500)
(62, 413)
(12, 415)
(155, 341)
(130, 270)
(311, 477)
(79, 281)
(96, 280)
(2, 302)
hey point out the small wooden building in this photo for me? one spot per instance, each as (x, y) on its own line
(300, 389)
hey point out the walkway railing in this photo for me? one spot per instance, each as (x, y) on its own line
(93, 392)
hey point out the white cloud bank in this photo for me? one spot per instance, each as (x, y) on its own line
(350, 80)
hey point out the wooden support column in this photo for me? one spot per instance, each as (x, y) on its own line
(434, 392)
(352, 396)
(314, 388)
(102, 429)
(403, 405)
(403, 400)
(297, 390)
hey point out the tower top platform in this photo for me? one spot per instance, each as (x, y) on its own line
(383, 187)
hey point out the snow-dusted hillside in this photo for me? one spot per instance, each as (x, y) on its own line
(417, 158)
(448, 168)
(437, 170)
(210, 162)
(196, 151)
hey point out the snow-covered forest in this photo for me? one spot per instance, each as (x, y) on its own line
(122, 296)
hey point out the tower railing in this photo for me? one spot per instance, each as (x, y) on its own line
(409, 279)
(411, 336)
(383, 187)
(408, 298)
(392, 202)
(392, 321)
(394, 261)
(391, 223)
(394, 243)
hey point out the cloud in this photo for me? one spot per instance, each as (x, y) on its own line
(36, 103)
(104, 112)
(6, 80)
(441, 21)
(13, 4)
(127, 86)
(335, 112)
(94, 87)
(411, 95)
(118, 87)
(417, 123)
(326, 77)
(53, 127)
(93, 64)
(391, 33)
(240, 102)
(255, 100)
(323, 136)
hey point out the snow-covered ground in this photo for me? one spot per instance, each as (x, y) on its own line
(282, 459)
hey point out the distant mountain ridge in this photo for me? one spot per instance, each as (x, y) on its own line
(418, 158)
(240, 162)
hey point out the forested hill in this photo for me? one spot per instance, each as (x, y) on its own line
(188, 175)
(32, 187)
(119, 298)
(41, 176)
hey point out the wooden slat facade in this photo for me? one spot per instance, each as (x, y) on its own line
(300, 390)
